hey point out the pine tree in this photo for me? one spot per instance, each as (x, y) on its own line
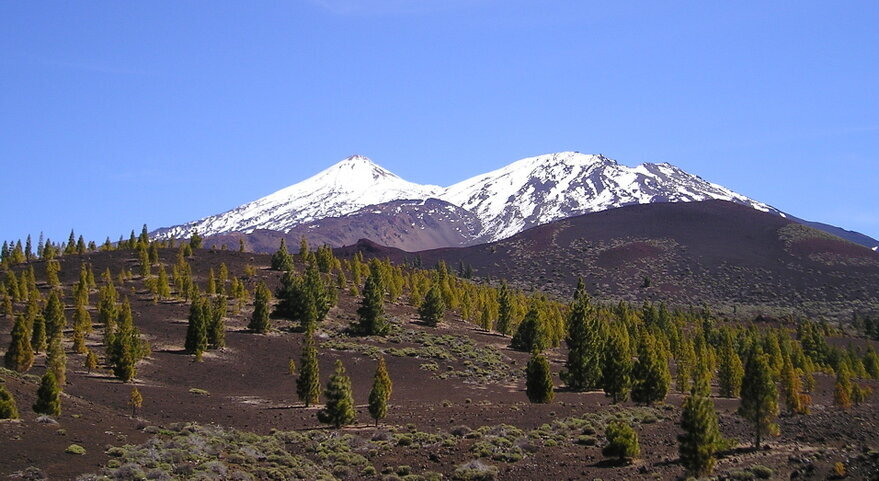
(281, 259)
(842, 389)
(759, 404)
(259, 321)
(216, 327)
(135, 400)
(701, 438)
(622, 441)
(371, 313)
(538, 382)
(91, 361)
(531, 332)
(144, 257)
(686, 365)
(127, 348)
(583, 368)
(56, 360)
(196, 332)
(212, 283)
(617, 368)
(38, 336)
(20, 356)
(730, 370)
(8, 408)
(308, 382)
(56, 322)
(380, 392)
(195, 240)
(505, 310)
(28, 249)
(791, 389)
(53, 267)
(651, 378)
(82, 324)
(303, 249)
(48, 396)
(339, 408)
(433, 308)
(8, 310)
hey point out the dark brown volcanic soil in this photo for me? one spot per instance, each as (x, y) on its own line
(714, 252)
(249, 389)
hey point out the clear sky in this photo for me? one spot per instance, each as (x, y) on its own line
(115, 114)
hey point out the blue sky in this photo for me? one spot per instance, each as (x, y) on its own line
(115, 114)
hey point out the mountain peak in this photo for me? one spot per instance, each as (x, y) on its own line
(523, 194)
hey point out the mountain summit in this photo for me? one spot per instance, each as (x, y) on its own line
(349, 185)
(541, 189)
(487, 207)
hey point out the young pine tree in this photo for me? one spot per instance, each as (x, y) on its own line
(91, 361)
(38, 333)
(791, 390)
(380, 392)
(730, 371)
(127, 348)
(583, 367)
(759, 404)
(48, 396)
(259, 321)
(651, 378)
(531, 333)
(82, 324)
(339, 408)
(56, 360)
(371, 313)
(617, 368)
(20, 356)
(701, 438)
(505, 310)
(686, 365)
(8, 408)
(538, 381)
(135, 400)
(281, 259)
(196, 332)
(56, 322)
(308, 382)
(433, 308)
(216, 327)
(842, 389)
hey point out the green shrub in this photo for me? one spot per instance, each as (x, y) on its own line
(75, 449)
(622, 441)
(761, 471)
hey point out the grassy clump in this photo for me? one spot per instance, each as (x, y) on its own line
(75, 449)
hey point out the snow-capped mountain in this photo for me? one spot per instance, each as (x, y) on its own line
(545, 188)
(346, 187)
(526, 193)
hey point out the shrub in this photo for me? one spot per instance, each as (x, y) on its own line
(75, 449)
(622, 441)
(761, 471)
(475, 470)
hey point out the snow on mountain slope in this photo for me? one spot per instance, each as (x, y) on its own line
(541, 189)
(347, 186)
(524, 194)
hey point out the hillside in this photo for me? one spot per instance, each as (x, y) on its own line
(712, 252)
